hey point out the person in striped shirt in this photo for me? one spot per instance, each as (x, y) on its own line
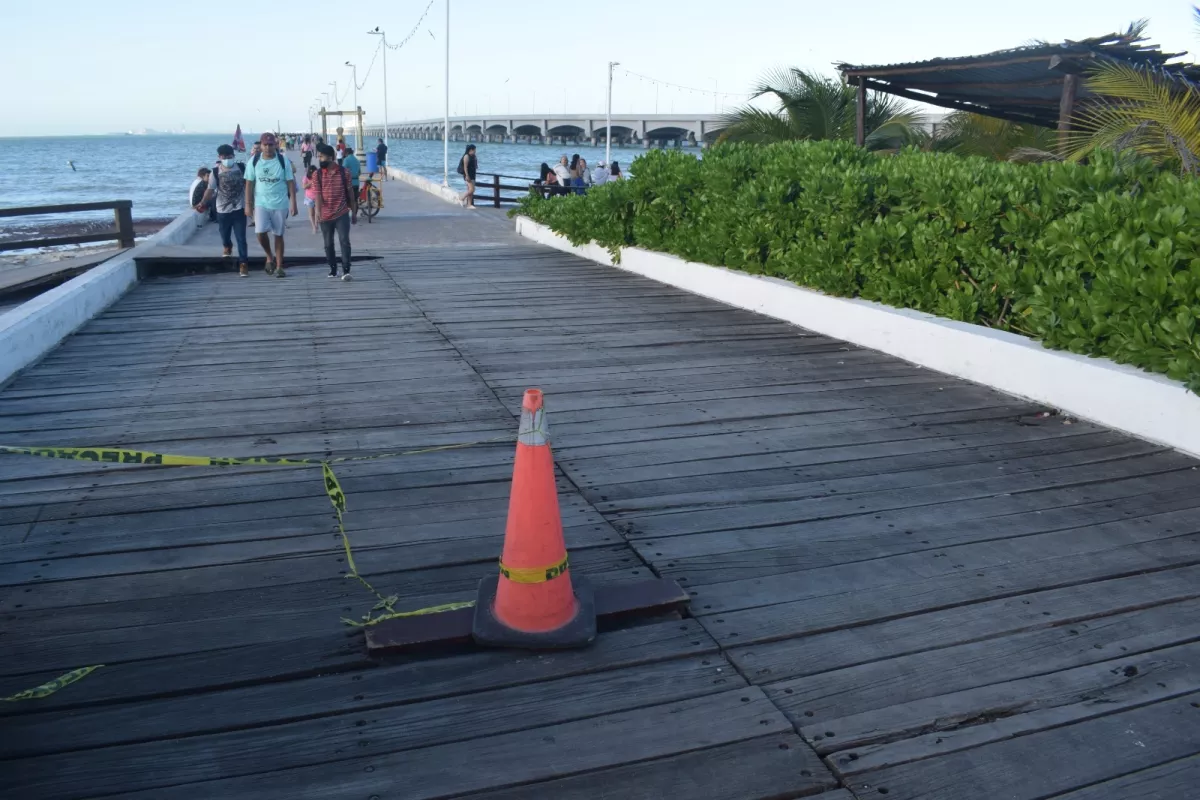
(337, 208)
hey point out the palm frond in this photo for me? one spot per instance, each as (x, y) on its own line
(1137, 28)
(1138, 110)
(1032, 155)
(811, 106)
(970, 134)
(757, 126)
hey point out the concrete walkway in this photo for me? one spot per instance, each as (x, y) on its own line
(408, 219)
(901, 583)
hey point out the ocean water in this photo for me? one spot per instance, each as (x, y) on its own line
(155, 171)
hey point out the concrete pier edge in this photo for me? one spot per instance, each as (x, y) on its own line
(446, 193)
(34, 328)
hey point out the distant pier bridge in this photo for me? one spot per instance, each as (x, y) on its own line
(646, 130)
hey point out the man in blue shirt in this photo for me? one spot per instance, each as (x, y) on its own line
(270, 195)
(350, 162)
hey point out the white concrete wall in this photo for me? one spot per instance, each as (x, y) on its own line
(34, 328)
(444, 192)
(1150, 406)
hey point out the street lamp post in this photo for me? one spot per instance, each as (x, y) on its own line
(378, 32)
(608, 116)
(446, 114)
(358, 145)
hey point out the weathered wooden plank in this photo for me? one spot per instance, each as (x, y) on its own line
(971, 584)
(758, 769)
(513, 759)
(339, 691)
(1169, 781)
(856, 690)
(743, 515)
(1051, 762)
(1175, 680)
(790, 658)
(327, 592)
(29, 652)
(1021, 562)
(959, 720)
(656, 493)
(377, 731)
(734, 555)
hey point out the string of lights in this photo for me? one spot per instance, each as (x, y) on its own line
(379, 47)
(416, 28)
(681, 87)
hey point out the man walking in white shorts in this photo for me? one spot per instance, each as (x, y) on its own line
(270, 196)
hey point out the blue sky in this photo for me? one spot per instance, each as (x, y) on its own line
(85, 67)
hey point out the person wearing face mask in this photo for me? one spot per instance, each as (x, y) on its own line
(337, 208)
(227, 187)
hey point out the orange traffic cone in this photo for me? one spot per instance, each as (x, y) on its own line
(533, 602)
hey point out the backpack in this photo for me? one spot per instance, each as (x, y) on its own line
(460, 168)
(278, 155)
(344, 175)
(229, 191)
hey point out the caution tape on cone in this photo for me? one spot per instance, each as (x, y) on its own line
(50, 687)
(535, 574)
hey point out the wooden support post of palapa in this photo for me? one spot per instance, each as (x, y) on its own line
(613, 602)
(1066, 107)
(860, 114)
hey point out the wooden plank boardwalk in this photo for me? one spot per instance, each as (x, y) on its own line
(903, 585)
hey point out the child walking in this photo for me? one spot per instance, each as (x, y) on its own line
(310, 197)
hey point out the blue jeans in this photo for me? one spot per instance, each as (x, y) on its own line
(340, 226)
(234, 222)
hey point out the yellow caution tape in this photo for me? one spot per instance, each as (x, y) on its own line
(333, 490)
(534, 574)
(399, 614)
(116, 455)
(111, 455)
(50, 687)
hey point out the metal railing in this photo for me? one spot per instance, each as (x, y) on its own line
(122, 215)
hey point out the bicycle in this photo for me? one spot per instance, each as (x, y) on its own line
(370, 197)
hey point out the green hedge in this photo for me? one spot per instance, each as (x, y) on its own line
(1100, 259)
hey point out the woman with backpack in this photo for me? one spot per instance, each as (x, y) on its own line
(467, 166)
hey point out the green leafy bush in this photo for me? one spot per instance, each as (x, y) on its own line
(1101, 259)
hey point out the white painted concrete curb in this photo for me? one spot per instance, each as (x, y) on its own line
(424, 184)
(1114, 395)
(34, 328)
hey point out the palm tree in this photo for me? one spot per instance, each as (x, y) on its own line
(816, 107)
(1143, 111)
(1140, 108)
(970, 134)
